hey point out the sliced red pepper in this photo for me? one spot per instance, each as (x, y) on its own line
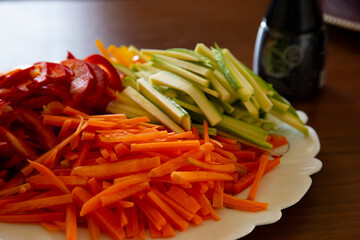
(114, 77)
(101, 82)
(37, 102)
(15, 77)
(17, 145)
(82, 82)
(57, 90)
(70, 55)
(32, 120)
(4, 149)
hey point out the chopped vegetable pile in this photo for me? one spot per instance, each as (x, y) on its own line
(135, 141)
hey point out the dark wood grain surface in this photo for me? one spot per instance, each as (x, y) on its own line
(31, 31)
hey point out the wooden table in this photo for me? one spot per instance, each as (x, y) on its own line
(37, 30)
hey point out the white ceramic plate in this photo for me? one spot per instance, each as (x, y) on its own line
(281, 188)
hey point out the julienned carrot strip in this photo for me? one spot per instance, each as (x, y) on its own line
(224, 139)
(32, 217)
(14, 190)
(185, 200)
(254, 187)
(243, 204)
(83, 154)
(50, 175)
(28, 205)
(94, 230)
(111, 199)
(199, 176)
(184, 135)
(117, 169)
(228, 168)
(151, 213)
(154, 232)
(104, 217)
(135, 223)
(70, 222)
(118, 137)
(165, 146)
(122, 216)
(121, 149)
(168, 231)
(248, 179)
(180, 223)
(218, 195)
(204, 202)
(175, 163)
(88, 135)
(279, 141)
(174, 205)
(42, 182)
(244, 155)
(95, 202)
(197, 220)
(142, 225)
(225, 153)
(74, 112)
(129, 231)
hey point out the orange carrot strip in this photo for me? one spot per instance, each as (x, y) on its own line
(70, 222)
(125, 204)
(143, 176)
(168, 231)
(50, 175)
(184, 199)
(218, 194)
(225, 153)
(42, 182)
(227, 168)
(122, 216)
(199, 176)
(83, 154)
(115, 137)
(142, 225)
(116, 169)
(111, 199)
(94, 186)
(129, 230)
(224, 139)
(154, 232)
(195, 131)
(14, 190)
(254, 187)
(219, 158)
(151, 212)
(165, 146)
(184, 135)
(279, 141)
(180, 161)
(174, 205)
(95, 201)
(74, 143)
(32, 217)
(180, 223)
(135, 223)
(28, 205)
(74, 112)
(244, 154)
(243, 204)
(245, 181)
(50, 226)
(104, 217)
(206, 131)
(88, 135)
(121, 149)
(204, 202)
(197, 220)
(94, 229)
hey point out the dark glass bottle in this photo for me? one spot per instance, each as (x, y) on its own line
(291, 48)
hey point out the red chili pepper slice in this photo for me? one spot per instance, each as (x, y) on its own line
(15, 77)
(115, 80)
(82, 82)
(32, 120)
(17, 145)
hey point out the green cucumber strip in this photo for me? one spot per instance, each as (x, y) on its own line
(175, 81)
(178, 55)
(182, 72)
(123, 69)
(292, 120)
(188, 106)
(228, 108)
(136, 51)
(251, 108)
(202, 49)
(148, 91)
(129, 111)
(192, 53)
(170, 93)
(152, 109)
(224, 95)
(217, 106)
(245, 131)
(279, 106)
(123, 99)
(209, 91)
(186, 122)
(129, 81)
(259, 92)
(195, 68)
